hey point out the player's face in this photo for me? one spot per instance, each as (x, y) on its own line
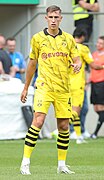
(100, 44)
(53, 19)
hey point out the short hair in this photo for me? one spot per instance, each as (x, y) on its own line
(78, 32)
(10, 39)
(53, 8)
(101, 37)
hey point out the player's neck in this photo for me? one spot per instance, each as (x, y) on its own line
(53, 32)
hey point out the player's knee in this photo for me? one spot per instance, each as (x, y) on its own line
(38, 120)
(64, 125)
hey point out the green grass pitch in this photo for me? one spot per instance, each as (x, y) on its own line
(87, 160)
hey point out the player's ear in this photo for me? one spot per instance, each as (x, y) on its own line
(46, 17)
(61, 18)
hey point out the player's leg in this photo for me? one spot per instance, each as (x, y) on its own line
(41, 107)
(62, 145)
(62, 140)
(30, 141)
(77, 101)
(76, 120)
(63, 112)
(77, 127)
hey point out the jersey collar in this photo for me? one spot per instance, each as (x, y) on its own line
(46, 33)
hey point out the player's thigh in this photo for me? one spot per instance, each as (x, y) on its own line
(63, 105)
(42, 101)
(77, 97)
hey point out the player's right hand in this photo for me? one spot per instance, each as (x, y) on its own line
(24, 95)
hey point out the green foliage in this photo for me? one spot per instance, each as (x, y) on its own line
(87, 160)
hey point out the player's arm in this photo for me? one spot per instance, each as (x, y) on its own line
(76, 62)
(92, 7)
(95, 66)
(31, 68)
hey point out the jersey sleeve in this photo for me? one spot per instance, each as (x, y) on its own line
(34, 50)
(87, 56)
(74, 50)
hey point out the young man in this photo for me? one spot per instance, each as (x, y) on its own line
(97, 85)
(55, 51)
(78, 80)
(17, 58)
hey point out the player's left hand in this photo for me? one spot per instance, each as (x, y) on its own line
(76, 67)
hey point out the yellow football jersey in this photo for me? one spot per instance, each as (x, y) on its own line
(78, 80)
(54, 55)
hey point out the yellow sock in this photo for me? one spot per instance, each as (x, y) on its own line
(30, 140)
(62, 144)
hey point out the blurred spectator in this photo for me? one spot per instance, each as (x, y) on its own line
(17, 58)
(85, 20)
(5, 61)
(97, 85)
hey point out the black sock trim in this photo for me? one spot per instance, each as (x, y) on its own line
(62, 147)
(34, 129)
(61, 136)
(32, 133)
(61, 141)
(76, 124)
(31, 138)
(29, 144)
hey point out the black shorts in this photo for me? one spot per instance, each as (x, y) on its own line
(97, 93)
